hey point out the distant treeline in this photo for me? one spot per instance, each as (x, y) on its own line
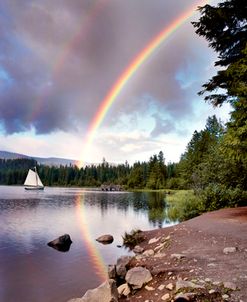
(153, 174)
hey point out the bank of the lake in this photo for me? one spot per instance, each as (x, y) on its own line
(205, 256)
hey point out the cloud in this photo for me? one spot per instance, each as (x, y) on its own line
(62, 57)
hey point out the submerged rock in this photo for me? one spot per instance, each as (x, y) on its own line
(105, 239)
(62, 243)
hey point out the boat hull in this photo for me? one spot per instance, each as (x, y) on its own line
(34, 188)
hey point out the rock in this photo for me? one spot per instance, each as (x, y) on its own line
(106, 292)
(166, 297)
(61, 243)
(211, 291)
(122, 262)
(153, 240)
(178, 256)
(228, 250)
(105, 239)
(138, 276)
(138, 249)
(230, 285)
(149, 288)
(170, 286)
(148, 253)
(111, 271)
(180, 284)
(124, 289)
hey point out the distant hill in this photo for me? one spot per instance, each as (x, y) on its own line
(49, 161)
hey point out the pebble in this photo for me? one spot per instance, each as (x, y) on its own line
(137, 249)
(231, 249)
(211, 291)
(159, 255)
(166, 297)
(161, 287)
(149, 288)
(148, 253)
(178, 256)
(153, 240)
(170, 286)
(208, 280)
(211, 265)
(216, 283)
(225, 297)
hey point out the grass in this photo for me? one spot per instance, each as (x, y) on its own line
(133, 238)
(183, 205)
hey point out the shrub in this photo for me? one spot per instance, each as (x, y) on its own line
(133, 238)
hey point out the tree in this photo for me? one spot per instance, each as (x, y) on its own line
(225, 27)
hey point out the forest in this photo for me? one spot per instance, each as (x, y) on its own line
(214, 164)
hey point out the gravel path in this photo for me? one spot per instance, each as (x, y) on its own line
(209, 250)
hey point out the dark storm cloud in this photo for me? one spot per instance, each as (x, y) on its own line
(60, 58)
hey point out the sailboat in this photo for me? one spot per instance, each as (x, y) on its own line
(33, 181)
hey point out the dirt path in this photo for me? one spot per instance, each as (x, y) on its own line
(200, 243)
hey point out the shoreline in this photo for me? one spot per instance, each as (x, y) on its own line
(209, 251)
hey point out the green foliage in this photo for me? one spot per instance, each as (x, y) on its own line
(217, 196)
(224, 27)
(183, 205)
(133, 238)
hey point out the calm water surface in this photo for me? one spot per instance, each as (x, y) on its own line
(31, 271)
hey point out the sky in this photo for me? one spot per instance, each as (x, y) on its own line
(59, 59)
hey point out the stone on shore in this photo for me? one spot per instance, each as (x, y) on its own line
(138, 276)
(230, 249)
(111, 271)
(124, 289)
(138, 249)
(122, 262)
(106, 292)
(105, 239)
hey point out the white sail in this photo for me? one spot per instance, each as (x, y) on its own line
(33, 180)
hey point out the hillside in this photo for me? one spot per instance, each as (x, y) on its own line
(49, 161)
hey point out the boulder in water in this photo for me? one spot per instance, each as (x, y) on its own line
(105, 239)
(61, 243)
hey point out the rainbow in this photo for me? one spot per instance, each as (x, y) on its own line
(131, 69)
(95, 257)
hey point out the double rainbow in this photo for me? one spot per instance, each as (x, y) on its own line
(128, 73)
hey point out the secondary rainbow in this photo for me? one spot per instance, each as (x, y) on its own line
(135, 64)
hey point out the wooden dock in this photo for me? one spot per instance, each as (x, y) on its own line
(111, 187)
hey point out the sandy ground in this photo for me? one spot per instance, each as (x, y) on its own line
(201, 241)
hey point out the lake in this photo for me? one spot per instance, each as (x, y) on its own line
(31, 271)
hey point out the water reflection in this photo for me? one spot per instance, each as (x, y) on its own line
(29, 221)
(156, 208)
